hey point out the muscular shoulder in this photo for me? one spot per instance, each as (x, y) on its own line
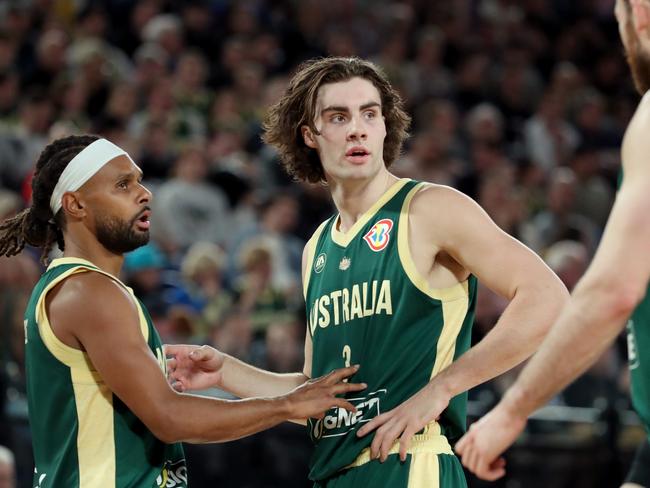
(440, 206)
(89, 298)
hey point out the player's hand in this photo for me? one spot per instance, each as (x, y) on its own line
(481, 447)
(404, 422)
(314, 397)
(193, 367)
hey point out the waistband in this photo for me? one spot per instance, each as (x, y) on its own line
(431, 443)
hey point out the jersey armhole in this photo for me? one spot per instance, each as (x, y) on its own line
(311, 246)
(75, 358)
(454, 292)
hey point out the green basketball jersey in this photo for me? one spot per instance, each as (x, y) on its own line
(368, 305)
(83, 435)
(638, 339)
(638, 342)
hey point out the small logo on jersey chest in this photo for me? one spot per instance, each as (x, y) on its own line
(345, 263)
(378, 237)
(320, 262)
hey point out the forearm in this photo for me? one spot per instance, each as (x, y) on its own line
(516, 335)
(195, 419)
(246, 381)
(594, 317)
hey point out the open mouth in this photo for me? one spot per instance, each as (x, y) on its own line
(142, 222)
(357, 154)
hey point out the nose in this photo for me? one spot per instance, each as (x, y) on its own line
(145, 195)
(356, 129)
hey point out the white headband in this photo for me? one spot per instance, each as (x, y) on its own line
(82, 167)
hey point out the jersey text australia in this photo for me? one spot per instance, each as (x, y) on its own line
(367, 305)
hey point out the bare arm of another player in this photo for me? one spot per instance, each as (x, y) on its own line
(198, 368)
(102, 317)
(536, 295)
(615, 282)
(446, 221)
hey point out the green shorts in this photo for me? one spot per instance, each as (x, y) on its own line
(423, 468)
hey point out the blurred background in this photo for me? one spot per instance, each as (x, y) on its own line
(521, 104)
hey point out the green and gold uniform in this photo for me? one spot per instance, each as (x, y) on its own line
(83, 435)
(368, 305)
(638, 340)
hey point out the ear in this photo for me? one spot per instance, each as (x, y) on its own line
(308, 137)
(640, 15)
(73, 205)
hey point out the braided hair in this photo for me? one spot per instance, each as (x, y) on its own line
(36, 225)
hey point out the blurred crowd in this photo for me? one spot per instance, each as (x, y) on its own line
(521, 104)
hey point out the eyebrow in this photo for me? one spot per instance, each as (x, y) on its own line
(130, 174)
(340, 108)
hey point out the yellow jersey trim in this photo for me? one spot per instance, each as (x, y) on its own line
(435, 444)
(345, 238)
(311, 250)
(455, 299)
(71, 357)
(454, 292)
(95, 433)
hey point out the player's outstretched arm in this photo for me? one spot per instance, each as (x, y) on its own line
(103, 319)
(601, 303)
(449, 222)
(192, 368)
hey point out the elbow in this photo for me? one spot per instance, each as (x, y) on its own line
(623, 301)
(553, 298)
(167, 434)
(614, 300)
(164, 424)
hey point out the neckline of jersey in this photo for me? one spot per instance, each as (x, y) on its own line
(70, 260)
(344, 238)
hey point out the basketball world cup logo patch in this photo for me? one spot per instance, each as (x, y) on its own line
(379, 236)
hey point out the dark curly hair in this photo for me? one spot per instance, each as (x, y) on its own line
(36, 225)
(282, 125)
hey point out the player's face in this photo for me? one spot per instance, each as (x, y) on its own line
(352, 130)
(637, 56)
(119, 206)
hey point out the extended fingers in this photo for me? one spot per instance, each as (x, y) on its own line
(405, 443)
(393, 431)
(172, 364)
(203, 353)
(373, 424)
(340, 402)
(340, 388)
(338, 375)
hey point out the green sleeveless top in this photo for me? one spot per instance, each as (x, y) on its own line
(83, 435)
(368, 305)
(638, 339)
(638, 342)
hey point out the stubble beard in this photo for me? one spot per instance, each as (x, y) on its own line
(118, 236)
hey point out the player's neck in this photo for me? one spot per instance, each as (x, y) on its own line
(82, 247)
(354, 197)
